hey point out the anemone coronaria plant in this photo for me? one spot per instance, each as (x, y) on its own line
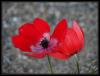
(35, 39)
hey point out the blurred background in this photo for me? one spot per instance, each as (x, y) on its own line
(16, 13)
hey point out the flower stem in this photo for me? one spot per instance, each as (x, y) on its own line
(77, 64)
(50, 66)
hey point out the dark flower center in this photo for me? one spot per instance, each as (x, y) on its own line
(44, 43)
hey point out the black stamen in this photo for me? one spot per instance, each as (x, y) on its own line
(44, 43)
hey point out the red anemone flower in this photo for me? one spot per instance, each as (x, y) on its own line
(35, 39)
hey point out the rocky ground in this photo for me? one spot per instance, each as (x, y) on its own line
(16, 13)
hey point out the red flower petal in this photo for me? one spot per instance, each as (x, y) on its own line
(28, 31)
(35, 31)
(60, 29)
(79, 32)
(41, 25)
(58, 55)
(82, 31)
(36, 55)
(21, 43)
(73, 41)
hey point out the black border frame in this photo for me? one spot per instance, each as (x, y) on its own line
(47, 1)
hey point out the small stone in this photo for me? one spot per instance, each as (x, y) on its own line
(30, 71)
(5, 24)
(24, 57)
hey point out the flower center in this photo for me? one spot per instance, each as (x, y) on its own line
(44, 43)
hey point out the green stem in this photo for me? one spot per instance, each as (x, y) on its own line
(77, 64)
(50, 66)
